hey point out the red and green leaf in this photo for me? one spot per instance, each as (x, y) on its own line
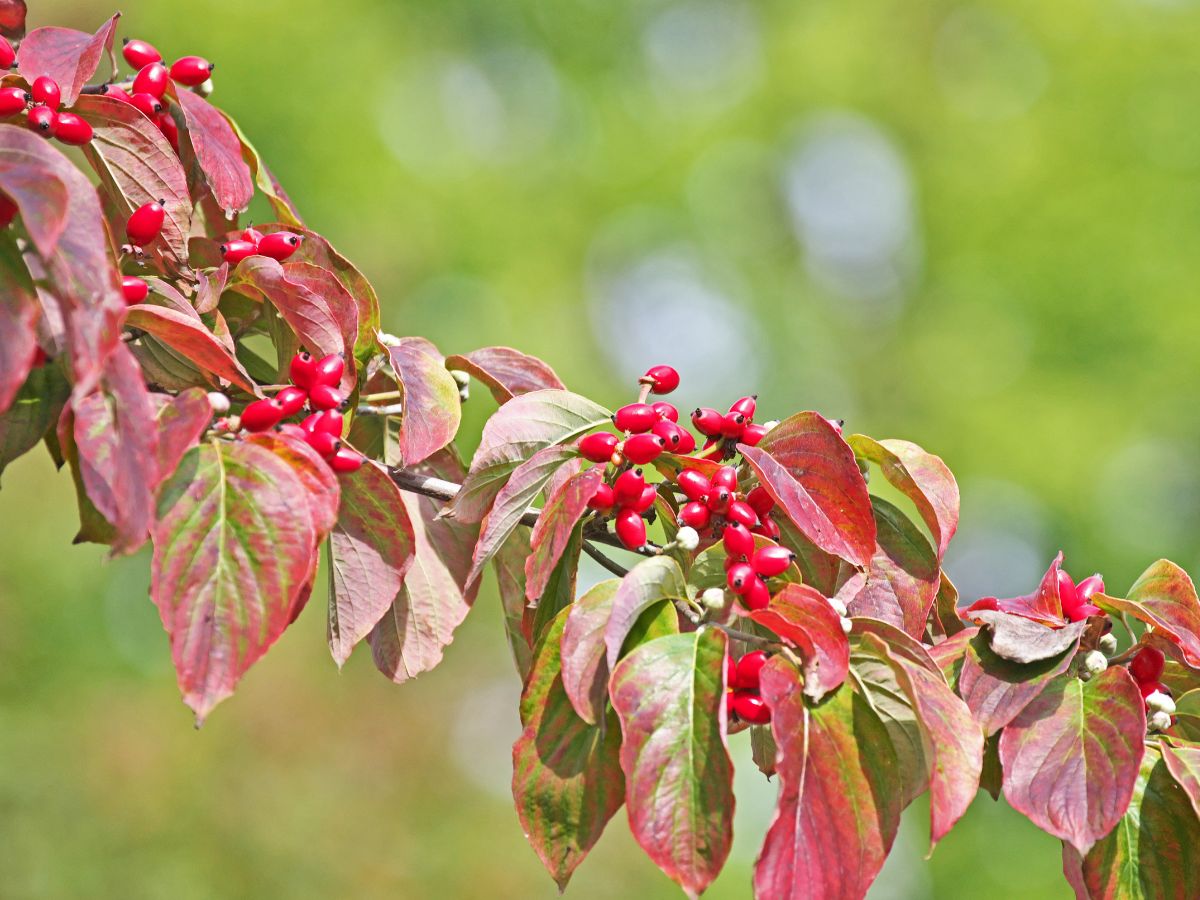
(651, 580)
(1164, 597)
(33, 413)
(188, 337)
(19, 313)
(564, 507)
(218, 152)
(804, 618)
(506, 372)
(432, 409)
(1043, 605)
(179, 423)
(69, 57)
(584, 657)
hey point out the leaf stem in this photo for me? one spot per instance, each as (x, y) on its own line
(590, 550)
(393, 409)
(384, 395)
(746, 636)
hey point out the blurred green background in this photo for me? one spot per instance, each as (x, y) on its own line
(972, 225)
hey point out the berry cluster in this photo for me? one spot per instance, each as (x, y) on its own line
(315, 387)
(1146, 667)
(712, 503)
(1076, 598)
(747, 570)
(147, 91)
(742, 698)
(724, 431)
(40, 105)
(251, 242)
(630, 496)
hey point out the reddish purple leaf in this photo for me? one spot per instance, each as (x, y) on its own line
(19, 312)
(189, 338)
(567, 780)
(946, 621)
(266, 182)
(900, 643)
(412, 636)
(1164, 597)
(233, 552)
(802, 617)
(564, 507)
(218, 151)
(838, 807)
(210, 287)
(1043, 605)
(950, 653)
(432, 408)
(69, 57)
(651, 580)
(179, 423)
(670, 696)
(584, 666)
(453, 540)
(12, 19)
(506, 372)
(371, 550)
(509, 565)
(1071, 757)
(812, 474)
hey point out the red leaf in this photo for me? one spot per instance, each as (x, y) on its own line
(432, 408)
(567, 780)
(190, 339)
(920, 476)
(19, 311)
(651, 580)
(12, 19)
(1071, 757)
(179, 423)
(1043, 605)
(218, 151)
(838, 807)
(900, 643)
(584, 667)
(564, 507)
(453, 540)
(69, 57)
(1164, 597)
(371, 550)
(812, 474)
(506, 372)
(322, 488)
(801, 616)
(233, 552)
(412, 636)
(266, 182)
(670, 696)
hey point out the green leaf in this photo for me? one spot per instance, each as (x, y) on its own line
(555, 526)
(559, 592)
(651, 580)
(33, 412)
(585, 668)
(509, 565)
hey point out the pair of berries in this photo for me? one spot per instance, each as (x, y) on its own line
(743, 699)
(631, 496)
(191, 71)
(711, 500)
(1146, 667)
(1076, 598)
(44, 116)
(748, 569)
(726, 430)
(652, 428)
(278, 245)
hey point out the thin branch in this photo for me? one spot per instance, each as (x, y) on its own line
(394, 409)
(590, 550)
(384, 395)
(746, 636)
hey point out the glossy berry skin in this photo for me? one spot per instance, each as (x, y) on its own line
(1147, 665)
(741, 512)
(707, 421)
(233, 252)
(145, 224)
(149, 105)
(739, 578)
(8, 55)
(262, 414)
(666, 411)
(41, 120)
(695, 515)
(750, 707)
(694, 485)
(643, 448)
(628, 487)
(346, 460)
(152, 79)
(324, 443)
(725, 477)
(738, 541)
(687, 442)
(139, 54)
(732, 425)
(292, 399)
(12, 101)
(598, 447)
(752, 434)
(1089, 587)
(169, 129)
(116, 92)
(45, 91)
(748, 667)
(644, 502)
(771, 561)
(730, 670)
(134, 289)
(191, 70)
(8, 211)
(745, 406)
(730, 712)
(1084, 611)
(324, 396)
(329, 421)
(671, 434)
(767, 528)
(719, 499)
(662, 379)
(635, 418)
(253, 235)
(758, 596)
(329, 370)
(70, 129)
(760, 501)
(631, 529)
(603, 499)
(280, 245)
(302, 369)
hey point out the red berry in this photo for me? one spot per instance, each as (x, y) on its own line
(748, 668)
(1067, 594)
(643, 448)
(346, 460)
(1084, 611)
(8, 211)
(760, 501)
(145, 223)
(687, 443)
(694, 485)
(730, 670)
(1147, 664)
(771, 561)
(739, 577)
(46, 92)
(719, 499)
(148, 104)
(134, 289)
(12, 101)
(738, 541)
(1149, 687)
(666, 411)
(1089, 587)
(139, 54)
(741, 512)
(70, 129)
(695, 515)
(635, 418)
(151, 79)
(662, 379)
(262, 414)
(745, 406)
(279, 245)
(729, 704)
(302, 369)
(646, 501)
(324, 443)
(191, 70)
(767, 528)
(597, 447)
(169, 128)
(671, 433)
(707, 421)
(117, 93)
(41, 120)
(629, 486)
(631, 529)
(292, 399)
(758, 596)
(8, 55)
(329, 370)
(253, 235)
(329, 421)
(750, 707)
(732, 425)
(603, 499)
(324, 396)
(233, 252)
(725, 477)
(752, 434)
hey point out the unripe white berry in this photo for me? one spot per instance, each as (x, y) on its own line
(1108, 644)
(687, 538)
(219, 402)
(1094, 662)
(846, 625)
(767, 426)
(713, 598)
(1160, 702)
(1158, 721)
(838, 606)
(388, 340)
